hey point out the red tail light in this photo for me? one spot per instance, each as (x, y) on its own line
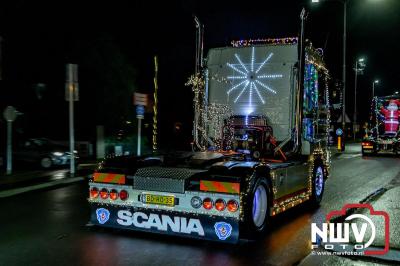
(207, 203)
(123, 195)
(232, 206)
(220, 204)
(104, 193)
(366, 144)
(94, 192)
(113, 194)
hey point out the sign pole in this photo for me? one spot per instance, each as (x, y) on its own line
(139, 136)
(71, 129)
(10, 114)
(339, 133)
(9, 147)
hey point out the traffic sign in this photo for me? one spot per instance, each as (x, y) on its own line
(339, 132)
(139, 111)
(140, 99)
(10, 114)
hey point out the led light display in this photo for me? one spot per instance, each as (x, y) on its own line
(249, 73)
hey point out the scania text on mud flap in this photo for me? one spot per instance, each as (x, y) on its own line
(260, 134)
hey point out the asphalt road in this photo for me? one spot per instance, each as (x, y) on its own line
(47, 227)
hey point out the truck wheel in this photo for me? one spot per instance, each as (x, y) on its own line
(363, 153)
(318, 184)
(256, 155)
(257, 210)
(46, 163)
(397, 151)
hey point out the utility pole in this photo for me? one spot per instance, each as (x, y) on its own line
(358, 70)
(344, 73)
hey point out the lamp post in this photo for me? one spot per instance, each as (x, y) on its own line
(373, 87)
(360, 64)
(344, 2)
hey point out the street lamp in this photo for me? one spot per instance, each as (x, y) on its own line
(360, 65)
(373, 87)
(344, 2)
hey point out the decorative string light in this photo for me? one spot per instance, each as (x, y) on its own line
(270, 76)
(197, 83)
(219, 79)
(281, 206)
(261, 41)
(211, 119)
(155, 106)
(218, 117)
(315, 57)
(264, 62)
(265, 86)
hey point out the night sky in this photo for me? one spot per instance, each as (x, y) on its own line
(114, 43)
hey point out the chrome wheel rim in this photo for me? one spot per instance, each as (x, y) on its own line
(260, 201)
(46, 162)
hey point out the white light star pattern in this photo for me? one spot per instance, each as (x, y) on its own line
(248, 77)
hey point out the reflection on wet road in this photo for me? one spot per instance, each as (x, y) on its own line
(48, 227)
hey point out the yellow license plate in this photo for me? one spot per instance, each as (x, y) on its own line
(158, 199)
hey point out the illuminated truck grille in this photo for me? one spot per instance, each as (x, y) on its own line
(162, 179)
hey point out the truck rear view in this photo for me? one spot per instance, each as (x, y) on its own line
(384, 131)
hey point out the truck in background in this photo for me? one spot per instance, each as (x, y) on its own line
(384, 131)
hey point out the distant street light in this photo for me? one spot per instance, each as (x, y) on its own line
(373, 87)
(360, 65)
(396, 92)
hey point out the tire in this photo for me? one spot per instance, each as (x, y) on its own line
(257, 210)
(46, 163)
(363, 153)
(318, 184)
(397, 151)
(256, 155)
